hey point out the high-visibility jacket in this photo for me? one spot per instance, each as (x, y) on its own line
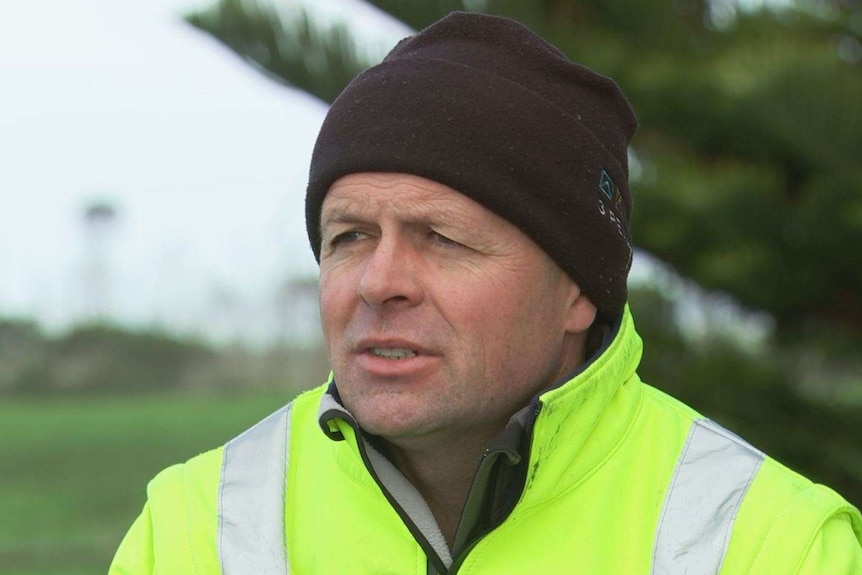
(601, 475)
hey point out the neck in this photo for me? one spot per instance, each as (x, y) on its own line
(443, 474)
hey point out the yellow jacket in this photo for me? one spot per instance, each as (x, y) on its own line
(601, 475)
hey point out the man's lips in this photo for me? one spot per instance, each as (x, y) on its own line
(391, 348)
(394, 357)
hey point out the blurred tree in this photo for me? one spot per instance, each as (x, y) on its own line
(21, 351)
(95, 358)
(98, 359)
(292, 50)
(745, 173)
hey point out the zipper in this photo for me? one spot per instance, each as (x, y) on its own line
(506, 445)
(471, 513)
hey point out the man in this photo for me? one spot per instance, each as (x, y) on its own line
(469, 207)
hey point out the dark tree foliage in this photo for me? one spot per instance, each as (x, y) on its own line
(288, 50)
(746, 175)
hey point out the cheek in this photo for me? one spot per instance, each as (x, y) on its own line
(491, 322)
(468, 306)
(335, 301)
(525, 320)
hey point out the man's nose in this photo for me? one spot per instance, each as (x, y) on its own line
(390, 275)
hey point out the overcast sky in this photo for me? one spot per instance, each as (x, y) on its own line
(205, 160)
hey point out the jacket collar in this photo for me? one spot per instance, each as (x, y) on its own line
(572, 427)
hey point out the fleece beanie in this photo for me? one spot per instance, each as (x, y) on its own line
(483, 105)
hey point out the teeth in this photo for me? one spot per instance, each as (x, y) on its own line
(393, 353)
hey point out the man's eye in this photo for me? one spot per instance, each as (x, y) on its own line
(346, 238)
(442, 240)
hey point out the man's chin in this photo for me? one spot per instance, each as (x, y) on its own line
(389, 410)
(392, 429)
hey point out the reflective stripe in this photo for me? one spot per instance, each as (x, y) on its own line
(251, 535)
(711, 478)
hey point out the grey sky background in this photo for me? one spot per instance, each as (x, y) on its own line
(205, 160)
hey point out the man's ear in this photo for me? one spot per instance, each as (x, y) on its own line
(581, 313)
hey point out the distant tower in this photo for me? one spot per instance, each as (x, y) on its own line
(99, 221)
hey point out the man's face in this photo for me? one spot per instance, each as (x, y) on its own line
(439, 316)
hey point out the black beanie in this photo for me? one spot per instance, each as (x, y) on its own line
(483, 105)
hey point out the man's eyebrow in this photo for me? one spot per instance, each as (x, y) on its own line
(339, 215)
(449, 219)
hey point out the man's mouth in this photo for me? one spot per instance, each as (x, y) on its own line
(393, 352)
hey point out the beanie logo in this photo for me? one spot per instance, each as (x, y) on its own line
(606, 185)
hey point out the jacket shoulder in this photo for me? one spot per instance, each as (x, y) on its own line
(194, 473)
(784, 519)
(784, 516)
(183, 504)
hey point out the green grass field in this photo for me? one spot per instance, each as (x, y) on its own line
(73, 473)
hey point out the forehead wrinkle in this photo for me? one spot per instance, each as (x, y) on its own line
(355, 201)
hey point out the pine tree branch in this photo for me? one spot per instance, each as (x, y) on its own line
(289, 48)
